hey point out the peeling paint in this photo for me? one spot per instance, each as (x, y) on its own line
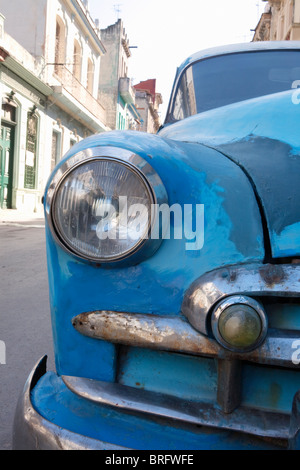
(286, 241)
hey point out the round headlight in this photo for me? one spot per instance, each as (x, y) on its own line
(101, 209)
(239, 323)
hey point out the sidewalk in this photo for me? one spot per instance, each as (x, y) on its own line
(17, 217)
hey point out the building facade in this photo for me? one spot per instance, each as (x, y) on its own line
(147, 103)
(61, 80)
(23, 123)
(50, 54)
(279, 22)
(115, 87)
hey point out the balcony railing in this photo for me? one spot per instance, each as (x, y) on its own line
(79, 92)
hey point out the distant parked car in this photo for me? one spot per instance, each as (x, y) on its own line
(174, 271)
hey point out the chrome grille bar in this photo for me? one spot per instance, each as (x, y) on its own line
(250, 279)
(245, 420)
(177, 335)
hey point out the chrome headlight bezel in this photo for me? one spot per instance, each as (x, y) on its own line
(235, 300)
(142, 169)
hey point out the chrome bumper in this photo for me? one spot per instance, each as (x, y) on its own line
(32, 432)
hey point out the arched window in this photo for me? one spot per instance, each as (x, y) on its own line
(282, 25)
(60, 45)
(291, 13)
(90, 76)
(77, 60)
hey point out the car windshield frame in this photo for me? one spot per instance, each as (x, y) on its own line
(172, 115)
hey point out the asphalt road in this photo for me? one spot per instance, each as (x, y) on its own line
(25, 327)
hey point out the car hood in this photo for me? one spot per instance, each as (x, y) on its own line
(262, 137)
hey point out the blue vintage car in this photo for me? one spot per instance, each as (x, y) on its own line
(174, 271)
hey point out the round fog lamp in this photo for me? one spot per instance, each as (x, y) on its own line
(239, 323)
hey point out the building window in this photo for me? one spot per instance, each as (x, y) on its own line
(282, 28)
(55, 151)
(73, 137)
(8, 111)
(77, 61)
(90, 76)
(121, 122)
(59, 47)
(30, 157)
(291, 13)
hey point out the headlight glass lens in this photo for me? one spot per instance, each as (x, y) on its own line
(102, 210)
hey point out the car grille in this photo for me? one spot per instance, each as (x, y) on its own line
(168, 369)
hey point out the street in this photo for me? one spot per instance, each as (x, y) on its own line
(25, 331)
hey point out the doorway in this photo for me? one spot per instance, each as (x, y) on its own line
(6, 165)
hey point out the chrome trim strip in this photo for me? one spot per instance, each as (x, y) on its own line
(145, 171)
(245, 420)
(177, 335)
(253, 279)
(33, 432)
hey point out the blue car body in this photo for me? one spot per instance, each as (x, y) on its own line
(241, 162)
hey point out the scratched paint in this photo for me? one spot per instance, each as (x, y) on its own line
(113, 426)
(286, 241)
(262, 136)
(157, 285)
(271, 116)
(270, 388)
(233, 234)
(209, 159)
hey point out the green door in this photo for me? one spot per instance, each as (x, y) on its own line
(6, 166)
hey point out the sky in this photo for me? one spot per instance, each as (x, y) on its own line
(166, 32)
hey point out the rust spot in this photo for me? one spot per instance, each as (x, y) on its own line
(228, 274)
(225, 274)
(272, 274)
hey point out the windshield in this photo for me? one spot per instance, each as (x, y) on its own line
(222, 80)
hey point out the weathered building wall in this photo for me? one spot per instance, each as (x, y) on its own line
(114, 68)
(49, 99)
(109, 73)
(25, 21)
(279, 22)
(147, 103)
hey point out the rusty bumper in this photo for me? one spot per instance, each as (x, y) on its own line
(33, 432)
